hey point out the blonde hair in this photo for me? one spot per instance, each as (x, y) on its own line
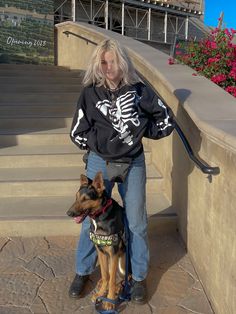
(94, 74)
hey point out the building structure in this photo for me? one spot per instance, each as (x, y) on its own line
(159, 21)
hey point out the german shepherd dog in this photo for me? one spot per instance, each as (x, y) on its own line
(107, 233)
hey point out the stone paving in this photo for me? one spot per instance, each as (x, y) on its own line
(35, 275)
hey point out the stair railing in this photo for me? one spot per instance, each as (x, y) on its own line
(200, 164)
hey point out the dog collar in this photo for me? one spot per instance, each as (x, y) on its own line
(102, 210)
(103, 240)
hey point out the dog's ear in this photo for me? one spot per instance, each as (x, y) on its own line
(98, 182)
(84, 180)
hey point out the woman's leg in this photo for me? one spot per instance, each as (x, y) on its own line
(133, 193)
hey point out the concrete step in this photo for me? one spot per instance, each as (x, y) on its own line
(40, 156)
(58, 128)
(158, 225)
(57, 181)
(56, 206)
(46, 137)
(45, 156)
(52, 88)
(38, 98)
(23, 125)
(41, 80)
(36, 69)
(27, 217)
(30, 111)
(29, 72)
(32, 67)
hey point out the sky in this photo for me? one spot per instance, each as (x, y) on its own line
(213, 8)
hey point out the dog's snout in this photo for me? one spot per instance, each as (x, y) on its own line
(70, 213)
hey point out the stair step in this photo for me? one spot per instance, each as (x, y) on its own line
(52, 88)
(33, 67)
(45, 156)
(14, 73)
(30, 111)
(40, 156)
(56, 206)
(18, 125)
(57, 187)
(157, 225)
(57, 181)
(38, 98)
(9, 175)
(29, 137)
(39, 150)
(38, 80)
(27, 217)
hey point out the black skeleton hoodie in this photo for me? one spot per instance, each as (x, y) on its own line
(112, 124)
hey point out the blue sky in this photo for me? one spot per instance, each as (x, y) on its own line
(213, 8)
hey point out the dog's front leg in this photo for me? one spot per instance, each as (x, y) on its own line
(102, 286)
(113, 266)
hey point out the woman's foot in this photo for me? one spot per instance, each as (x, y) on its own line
(78, 285)
(138, 291)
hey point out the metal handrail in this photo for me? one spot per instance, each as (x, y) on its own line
(202, 166)
(67, 33)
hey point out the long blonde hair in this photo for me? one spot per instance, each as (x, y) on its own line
(94, 74)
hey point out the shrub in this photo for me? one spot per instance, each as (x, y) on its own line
(214, 57)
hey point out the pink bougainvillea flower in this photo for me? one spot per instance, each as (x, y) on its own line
(231, 90)
(232, 74)
(210, 60)
(213, 45)
(171, 61)
(178, 53)
(218, 78)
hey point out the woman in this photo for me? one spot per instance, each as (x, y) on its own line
(115, 110)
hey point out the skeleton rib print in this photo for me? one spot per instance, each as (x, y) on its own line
(123, 112)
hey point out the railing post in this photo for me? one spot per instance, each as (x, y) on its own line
(106, 13)
(186, 27)
(73, 10)
(165, 27)
(149, 23)
(122, 18)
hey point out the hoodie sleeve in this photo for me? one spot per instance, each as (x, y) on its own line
(160, 116)
(81, 127)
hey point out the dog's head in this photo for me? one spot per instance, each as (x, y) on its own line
(88, 198)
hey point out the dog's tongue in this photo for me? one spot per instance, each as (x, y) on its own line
(79, 219)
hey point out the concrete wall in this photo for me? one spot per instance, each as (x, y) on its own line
(206, 205)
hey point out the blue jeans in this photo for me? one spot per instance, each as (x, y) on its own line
(133, 194)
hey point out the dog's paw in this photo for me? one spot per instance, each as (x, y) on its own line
(97, 294)
(108, 306)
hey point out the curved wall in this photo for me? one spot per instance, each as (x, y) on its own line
(205, 205)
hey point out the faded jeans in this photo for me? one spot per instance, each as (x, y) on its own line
(133, 194)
